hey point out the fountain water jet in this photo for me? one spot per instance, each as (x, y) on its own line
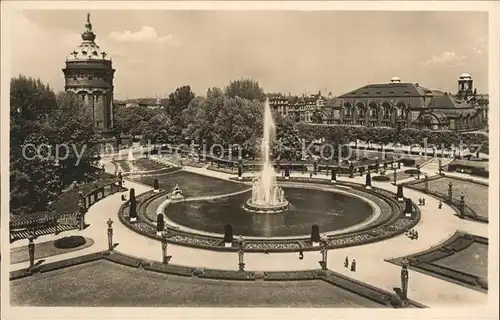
(267, 196)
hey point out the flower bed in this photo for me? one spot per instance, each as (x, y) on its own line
(387, 227)
(449, 273)
(291, 275)
(381, 178)
(224, 170)
(69, 242)
(356, 287)
(227, 275)
(412, 171)
(146, 164)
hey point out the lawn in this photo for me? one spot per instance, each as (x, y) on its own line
(103, 283)
(124, 165)
(476, 195)
(68, 201)
(472, 260)
(192, 184)
(145, 164)
(42, 250)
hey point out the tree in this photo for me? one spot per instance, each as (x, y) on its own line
(245, 89)
(288, 143)
(34, 178)
(224, 120)
(176, 103)
(71, 128)
(129, 120)
(31, 181)
(157, 129)
(179, 100)
(45, 132)
(317, 117)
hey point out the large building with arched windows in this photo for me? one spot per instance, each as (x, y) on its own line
(410, 105)
(89, 73)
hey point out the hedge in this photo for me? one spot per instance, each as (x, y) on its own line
(385, 135)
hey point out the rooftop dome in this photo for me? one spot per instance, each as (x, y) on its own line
(88, 49)
(465, 75)
(395, 79)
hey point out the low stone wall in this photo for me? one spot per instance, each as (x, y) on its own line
(424, 261)
(375, 294)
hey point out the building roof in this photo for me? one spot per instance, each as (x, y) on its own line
(88, 50)
(394, 89)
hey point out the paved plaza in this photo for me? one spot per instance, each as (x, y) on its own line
(434, 227)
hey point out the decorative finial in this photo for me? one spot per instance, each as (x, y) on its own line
(88, 35)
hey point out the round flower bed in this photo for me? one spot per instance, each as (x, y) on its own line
(70, 242)
(412, 171)
(381, 178)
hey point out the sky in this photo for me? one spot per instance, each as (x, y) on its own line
(155, 52)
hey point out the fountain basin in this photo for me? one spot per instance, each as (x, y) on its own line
(266, 208)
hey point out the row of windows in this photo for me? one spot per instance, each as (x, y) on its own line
(373, 112)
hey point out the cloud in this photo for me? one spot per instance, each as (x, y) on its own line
(145, 34)
(477, 51)
(445, 58)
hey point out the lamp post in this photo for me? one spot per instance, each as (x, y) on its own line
(395, 174)
(324, 253)
(164, 246)
(241, 248)
(450, 192)
(31, 250)
(462, 205)
(404, 280)
(440, 168)
(110, 234)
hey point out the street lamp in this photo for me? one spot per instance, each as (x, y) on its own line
(164, 246)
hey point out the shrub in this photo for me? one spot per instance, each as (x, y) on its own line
(381, 178)
(70, 242)
(315, 233)
(228, 233)
(408, 205)
(399, 193)
(133, 208)
(160, 222)
(368, 180)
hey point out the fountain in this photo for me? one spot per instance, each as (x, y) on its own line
(267, 196)
(130, 160)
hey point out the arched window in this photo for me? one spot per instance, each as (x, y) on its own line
(361, 110)
(386, 110)
(373, 110)
(347, 110)
(401, 111)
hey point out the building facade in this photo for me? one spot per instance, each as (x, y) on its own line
(410, 105)
(89, 73)
(301, 108)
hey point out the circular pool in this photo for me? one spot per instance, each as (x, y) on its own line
(330, 210)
